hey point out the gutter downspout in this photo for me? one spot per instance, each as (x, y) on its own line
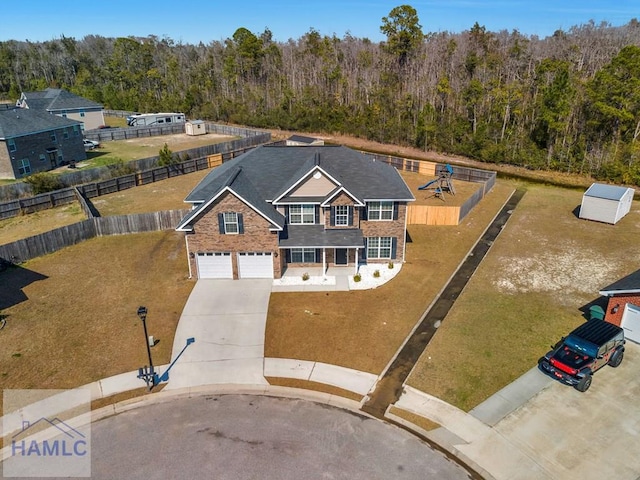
(186, 241)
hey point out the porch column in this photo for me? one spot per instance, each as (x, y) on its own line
(356, 262)
(324, 263)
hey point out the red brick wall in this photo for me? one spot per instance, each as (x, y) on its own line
(388, 228)
(256, 236)
(620, 302)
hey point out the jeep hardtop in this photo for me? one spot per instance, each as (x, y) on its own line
(591, 346)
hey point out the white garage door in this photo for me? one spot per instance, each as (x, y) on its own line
(214, 265)
(631, 322)
(255, 265)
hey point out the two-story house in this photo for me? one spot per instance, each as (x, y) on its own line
(33, 141)
(64, 104)
(279, 206)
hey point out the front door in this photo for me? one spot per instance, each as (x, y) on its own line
(341, 256)
(53, 157)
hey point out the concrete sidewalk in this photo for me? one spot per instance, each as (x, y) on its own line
(228, 319)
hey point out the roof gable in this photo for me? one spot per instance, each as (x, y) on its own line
(607, 192)
(56, 99)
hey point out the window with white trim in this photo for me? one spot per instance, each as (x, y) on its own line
(65, 133)
(12, 145)
(303, 255)
(380, 210)
(342, 215)
(302, 214)
(24, 167)
(231, 222)
(81, 113)
(53, 137)
(379, 247)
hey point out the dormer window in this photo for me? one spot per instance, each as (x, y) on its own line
(380, 210)
(302, 214)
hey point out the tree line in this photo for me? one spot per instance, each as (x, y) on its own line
(568, 102)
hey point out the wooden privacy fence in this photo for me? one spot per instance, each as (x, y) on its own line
(441, 214)
(54, 240)
(96, 189)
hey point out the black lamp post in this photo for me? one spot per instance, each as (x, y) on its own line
(147, 375)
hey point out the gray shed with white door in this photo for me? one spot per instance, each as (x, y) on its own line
(606, 203)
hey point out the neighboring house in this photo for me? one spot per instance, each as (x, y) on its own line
(64, 104)
(606, 203)
(33, 141)
(623, 307)
(279, 206)
(302, 141)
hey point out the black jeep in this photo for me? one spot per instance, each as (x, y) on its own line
(588, 348)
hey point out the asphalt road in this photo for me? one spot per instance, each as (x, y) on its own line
(254, 437)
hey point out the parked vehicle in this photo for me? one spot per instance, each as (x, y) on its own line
(591, 346)
(155, 119)
(90, 144)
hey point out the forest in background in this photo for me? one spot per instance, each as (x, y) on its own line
(569, 102)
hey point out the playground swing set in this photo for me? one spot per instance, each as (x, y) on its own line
(438, 186)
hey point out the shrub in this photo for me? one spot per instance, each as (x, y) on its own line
(390, 265)
(43, 182)
(305, 276)
(376, 274)
(357, 277)
(119, 169)
(166, 157)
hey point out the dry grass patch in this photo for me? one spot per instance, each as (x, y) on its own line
(364, 329)
(22, 226)
(417, 420)
(545, 266)
(136, 148)
(318, 387)
(72, 314)
(163, 195)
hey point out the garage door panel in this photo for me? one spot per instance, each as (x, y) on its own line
(631, 323)
(214, 265)
(255, 265)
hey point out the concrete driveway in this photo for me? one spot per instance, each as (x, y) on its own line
(227, 318)
(564, 433)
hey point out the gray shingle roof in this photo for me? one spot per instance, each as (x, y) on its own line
(56, 99)
(273, 169)
(316, 236)
(628, 284)
(19, 122)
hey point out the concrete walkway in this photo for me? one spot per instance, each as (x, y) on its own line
(227, 318)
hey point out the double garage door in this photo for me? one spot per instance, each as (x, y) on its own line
(220, 265)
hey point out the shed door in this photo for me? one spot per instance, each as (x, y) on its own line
(631, 322)
(255, 265)
(214, 265)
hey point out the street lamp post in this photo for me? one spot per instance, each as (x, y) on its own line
(149, 375)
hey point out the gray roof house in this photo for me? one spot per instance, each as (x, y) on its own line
(276, 207)
(64, 104)
(33, 141)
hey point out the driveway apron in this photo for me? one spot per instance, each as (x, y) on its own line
(227, 318)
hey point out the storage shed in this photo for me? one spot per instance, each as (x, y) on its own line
(195, 127)
(606, 203)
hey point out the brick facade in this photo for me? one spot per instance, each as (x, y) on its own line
(388, 228)
(617, 303)
(206, 236)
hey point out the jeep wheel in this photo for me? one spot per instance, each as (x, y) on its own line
(584, 384)
(616, 358)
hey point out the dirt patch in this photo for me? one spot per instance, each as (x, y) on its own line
(178, 141)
